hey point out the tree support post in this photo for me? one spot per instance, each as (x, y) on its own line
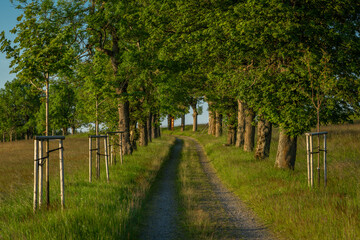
(38, 168)
(98, 154)
(120, 143)
(310, 156)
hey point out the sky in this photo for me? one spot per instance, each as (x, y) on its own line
(8, 15)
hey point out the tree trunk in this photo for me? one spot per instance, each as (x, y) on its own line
(73, 130)
(183, 122)
(218, 132)
(124, 121)
(195, 114)
(153, 126)
(231, 137)
(249, 135)
(149, 125)
(97, 141)
(263, 140)
(4, 140)
(212, 120)
(156, 126)
(169, 122)
(241, 125)
(143, 129)
(172, 123)
(286, 153)
(133, 135)
(211, 123)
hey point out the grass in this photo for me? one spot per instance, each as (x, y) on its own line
(282, 198)
(96, 210)
(192, 188)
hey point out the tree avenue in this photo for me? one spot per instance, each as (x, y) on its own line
(291, 65)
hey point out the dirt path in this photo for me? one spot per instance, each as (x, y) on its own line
(162, 210)
(233, 219)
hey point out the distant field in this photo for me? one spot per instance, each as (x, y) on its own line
(16, 161)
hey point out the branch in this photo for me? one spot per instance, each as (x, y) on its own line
(40, 89)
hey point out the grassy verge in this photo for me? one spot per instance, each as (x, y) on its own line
(192, 187)
(96, 210)
(282, 198)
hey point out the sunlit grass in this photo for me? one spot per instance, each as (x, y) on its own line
(96, 210)
(193, 186)
(283, 199)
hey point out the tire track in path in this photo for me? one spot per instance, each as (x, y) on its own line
(233, 217)
(162, 211)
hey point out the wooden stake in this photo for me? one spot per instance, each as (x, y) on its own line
(36, 173)
(106, 159)
(311, 161)
(61, 156)
(90, 158)
(40, 173)
(325, 168)
(308, 159)
(121, 152)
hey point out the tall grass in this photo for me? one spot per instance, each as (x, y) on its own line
(96, 210)
(283, 199)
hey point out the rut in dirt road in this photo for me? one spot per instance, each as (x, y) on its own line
(162, 212)
(234, 219)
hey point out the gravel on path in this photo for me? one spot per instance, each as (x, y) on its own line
(239, 221)
(162, 211)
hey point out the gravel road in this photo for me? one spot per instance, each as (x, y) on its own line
(233, 219)
(236, 220)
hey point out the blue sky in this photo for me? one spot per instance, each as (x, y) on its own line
(8, 15)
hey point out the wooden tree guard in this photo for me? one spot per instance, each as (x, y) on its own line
(310, 156)
(111, 146)
(105, 137)
(38, 168)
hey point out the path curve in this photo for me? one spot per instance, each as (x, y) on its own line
(245, 225)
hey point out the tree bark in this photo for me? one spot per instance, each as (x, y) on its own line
(143, 131)
(183, 122)
(153, 126)
(195, 114)
(211, 122)
(249, 135)
(231, 137)
(286, 153)
(73, 130)
(157, 125)
(172, 123)
(133, 135)
(149, 125)
(218, 132)
(241, 125)
(263, 140)
(169, 122)
(124, 124)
